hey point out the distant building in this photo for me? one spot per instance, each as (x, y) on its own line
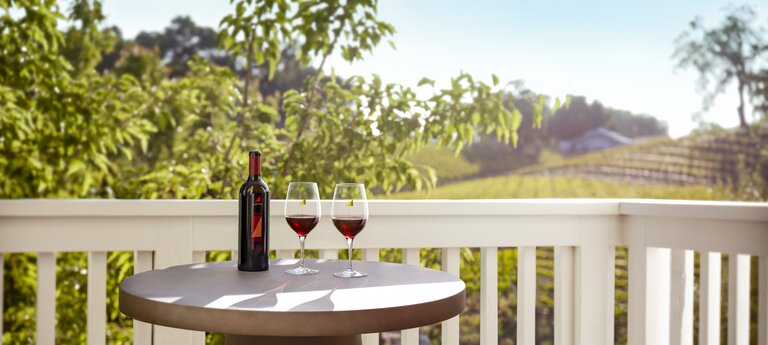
(594, 140)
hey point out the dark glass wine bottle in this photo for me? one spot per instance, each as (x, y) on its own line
(253, 234)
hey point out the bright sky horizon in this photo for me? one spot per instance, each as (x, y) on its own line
(616, 52)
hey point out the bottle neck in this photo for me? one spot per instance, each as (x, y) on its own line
(254, 167)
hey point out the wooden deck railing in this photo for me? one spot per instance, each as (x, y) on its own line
(661, 236)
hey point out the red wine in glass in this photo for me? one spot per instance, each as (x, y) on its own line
(302, 212)
(349, 227)
(302, 224)
(349, 213)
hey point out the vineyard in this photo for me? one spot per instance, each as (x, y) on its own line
(699, 159)
(516, 186)
(705, 166)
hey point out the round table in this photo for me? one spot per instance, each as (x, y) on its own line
(273, 307)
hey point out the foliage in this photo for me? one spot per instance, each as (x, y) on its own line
(731, 51)
(736, 161)
(496, 157)
(180, 43)
(581, 116)
(448, 166)
(760, 93)
(515, 186)
(72, 126)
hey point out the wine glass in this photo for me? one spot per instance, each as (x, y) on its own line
(349, 213)
(302, 212)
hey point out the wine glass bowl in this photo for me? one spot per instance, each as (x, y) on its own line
(302, 212)
(349, 213)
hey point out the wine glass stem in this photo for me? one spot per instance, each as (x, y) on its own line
(301, 244)
(349, 244)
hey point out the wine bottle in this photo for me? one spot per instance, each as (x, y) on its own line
(253, 234)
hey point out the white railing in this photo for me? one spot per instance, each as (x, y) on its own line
(661, 236)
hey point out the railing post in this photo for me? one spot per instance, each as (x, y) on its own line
(709, 298)
(489, 296)
(681, 297)
(648, 305)
(595, 275)
(174, 247)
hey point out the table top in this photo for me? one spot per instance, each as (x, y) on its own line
(216, 297)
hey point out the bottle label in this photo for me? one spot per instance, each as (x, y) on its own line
(257, 222)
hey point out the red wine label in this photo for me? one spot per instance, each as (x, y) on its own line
(257, 222)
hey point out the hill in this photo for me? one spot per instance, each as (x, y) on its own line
(707, 158)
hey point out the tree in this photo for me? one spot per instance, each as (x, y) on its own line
(577, 118)
(723, 54)
(760, 92)
(69, 131)
(180, 42)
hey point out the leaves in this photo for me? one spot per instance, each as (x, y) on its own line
(132, 132)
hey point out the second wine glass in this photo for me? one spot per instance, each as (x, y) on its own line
(302, 212)
(349, 213)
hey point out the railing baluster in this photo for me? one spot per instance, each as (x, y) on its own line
(489, 298)
(681, 297)
(233, 255)
(564, 288)
(762, 301)
(198, 256)
(46, 298)
(2, 292)
(332, 254)
(142, 331)
(451, 264)
(709, 299)
(97, 298)
(411, 256)
(738, 299)
(285, 253)
(371, 254)
(526, 296)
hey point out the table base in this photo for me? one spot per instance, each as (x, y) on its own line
(233, 339)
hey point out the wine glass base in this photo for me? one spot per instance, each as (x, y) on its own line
(301, 271)
(350, 274)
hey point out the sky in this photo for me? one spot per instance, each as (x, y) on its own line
(617, 52)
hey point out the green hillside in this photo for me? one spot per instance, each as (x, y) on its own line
(448, 166)
(515, 186)
(695, 167)
(707, 158)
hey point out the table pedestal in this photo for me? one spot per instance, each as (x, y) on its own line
(233, 339)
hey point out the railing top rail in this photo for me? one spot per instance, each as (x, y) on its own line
(723, 210)
(121, 208)
(513, 207)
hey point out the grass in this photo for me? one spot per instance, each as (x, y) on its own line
(658, 169)
(516, 186)
(447, 165)
(700, 159)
